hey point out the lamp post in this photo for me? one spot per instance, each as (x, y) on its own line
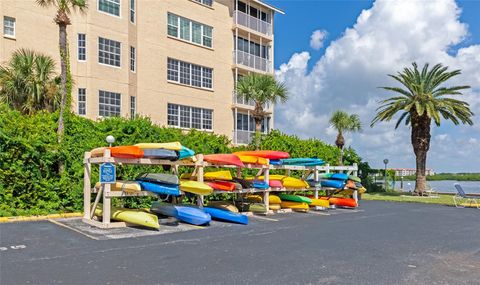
(385, 161)
(110, 139)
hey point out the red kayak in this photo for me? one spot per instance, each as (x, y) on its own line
(221, 185)
(126, 152)
(341, 202)
(270, 154)
(223, 159)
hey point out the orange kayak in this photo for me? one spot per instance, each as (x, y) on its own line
(270, 154)
(342, 202)
(225, 159)
(221, 185)
(126, 152)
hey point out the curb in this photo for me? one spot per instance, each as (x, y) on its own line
(38, 218)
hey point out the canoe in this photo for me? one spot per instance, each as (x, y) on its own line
(274, 206)
(185, 152)
(319, 202)
(295, 206)
(339, 184)
(166, 189)
(126, 152)
(303, 161)
(221, 185)
(339, 176)
(218, 175)
(195, 187)
(275, 183)
(169, 145)
(246, 184)
(184, 213)
(160, 153)
(354, 178)
(251, 207)
(341, 202)
(223, 159)
(125, 186)
(227, 216)
(223, 205)
(253, 159)
(163, 178)
(131, 216)
(260, 184)
(270, 154)
(294, 198)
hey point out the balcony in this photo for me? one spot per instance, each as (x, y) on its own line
(252, 61)
(237, 100)
(242, 137)
(252, 23)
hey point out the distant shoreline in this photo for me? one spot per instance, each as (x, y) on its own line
(445, 176)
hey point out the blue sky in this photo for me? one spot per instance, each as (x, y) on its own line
(365, 41)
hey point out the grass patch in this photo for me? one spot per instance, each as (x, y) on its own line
(440, 199)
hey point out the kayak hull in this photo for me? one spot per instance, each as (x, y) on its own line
(131, 216)
(160, 153)
(295, 206)
(221, 185)
(195, 187)
(187, 214)
(162, 178)
(125, 186)
(223, 159)
(223, 205)
(227, 216)
(126, 152)
(169, 145)
(294, 198)
(332, 184)
(341, 202)
(160, 188)
(270, 154)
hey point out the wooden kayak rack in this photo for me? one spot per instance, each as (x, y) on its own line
(104, 194)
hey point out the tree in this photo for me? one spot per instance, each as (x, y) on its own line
(343, 123)
(27, 82)
(261, 89)
(62, 19)
(423, 98)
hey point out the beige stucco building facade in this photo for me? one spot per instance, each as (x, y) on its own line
(175, 61)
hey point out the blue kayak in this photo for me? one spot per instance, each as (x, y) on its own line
(339, 184)
(260, 184)
(227, 216)
(303, 161)
(167, 189)
(275, 162)
(339, 176)
(185, 152)
(190, 215)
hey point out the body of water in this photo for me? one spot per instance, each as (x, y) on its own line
(444, 186)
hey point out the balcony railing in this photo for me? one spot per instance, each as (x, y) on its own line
(237, 100)
(243, 137)
(253, 23)
(252, 61)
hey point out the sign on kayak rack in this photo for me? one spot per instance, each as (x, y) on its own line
(107, 173)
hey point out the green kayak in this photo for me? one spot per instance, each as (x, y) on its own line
(251, 207)
(354, 178)
(294, 198)
(326, 175)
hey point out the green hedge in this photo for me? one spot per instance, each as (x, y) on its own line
(29, 155)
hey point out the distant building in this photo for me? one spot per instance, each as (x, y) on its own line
(410, 171)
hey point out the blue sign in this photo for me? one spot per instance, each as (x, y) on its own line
(107, 173)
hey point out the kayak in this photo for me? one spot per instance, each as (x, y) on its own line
(287, 182)
(227, 216)
(131, 216)
(341, 202)
(275, 183)
(339, 176)
(160, 153)
(223, 205)
(125, 186)
(319, 202)
(185, 152)
(246, 184)
(223, 159)
(221, 185)
(270, 154)
(169, 145)
(158, 188)
(260, 184)
(126, 152)
(184, 213)
(332, 184)
(272, 199)
(350, 184)
(275, 162)
(220, 175)
(253, 159)
(251, 207)
(195, 187)
(274, 206)
(303, 161)
(354, 178)
(97, 152)
(163, 178)
(294, 198)
(295, 206)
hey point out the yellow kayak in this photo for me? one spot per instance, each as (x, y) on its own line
(295, 206)
(169, 145)
(253, 159)
(274, 206)
(125, 186)
(287, 182)
(132, 216)
(213, 175)
(195, 187)
(223, 205)
(319, 202)
(272, 199)
(97, 152)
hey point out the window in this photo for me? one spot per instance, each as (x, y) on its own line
(108, 52)
(82, 101)
(206, 2)
(9, 26)
(133, 57)
(109, 103)
(252, 48)
(189, 74)
(247, 123)
(109, 6)
(188, 30)
(254, 12)
(190, 117)
(132, 11)
(82, 47)
(133, 107)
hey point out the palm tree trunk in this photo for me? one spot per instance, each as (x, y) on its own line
(63, 79)
(421, 145)
(258, 131)
(340, 142)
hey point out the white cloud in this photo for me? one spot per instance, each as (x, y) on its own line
(317, 38)
(385, 38)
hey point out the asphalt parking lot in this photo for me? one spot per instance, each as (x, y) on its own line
(380, 243)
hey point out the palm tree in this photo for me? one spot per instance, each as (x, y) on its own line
(27, 82)
(62, 19)
(423, 98)
(261, 89)
(343, 122)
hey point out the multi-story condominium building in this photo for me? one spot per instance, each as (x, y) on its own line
(175, 61)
